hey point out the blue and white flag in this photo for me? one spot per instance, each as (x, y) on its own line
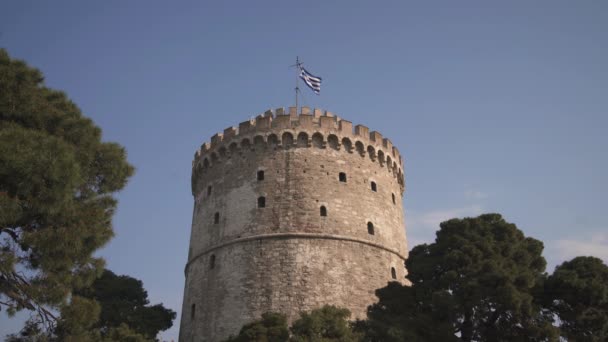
(313, 82)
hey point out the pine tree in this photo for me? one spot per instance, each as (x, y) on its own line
(57, 180)
(577, 292)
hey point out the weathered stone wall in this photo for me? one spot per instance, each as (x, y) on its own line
(245, 260)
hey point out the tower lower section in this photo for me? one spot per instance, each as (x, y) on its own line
(235, 283)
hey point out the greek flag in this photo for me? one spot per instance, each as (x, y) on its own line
(313, 82)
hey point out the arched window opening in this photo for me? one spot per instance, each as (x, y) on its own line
(372, 153)
(333, 141)
(205, 164)
(302, 140)
(192, 311)
(393, 273)
(394, 202)
(261, 175)
(360, 148)
(348, 146)
(212, 261)
(216, 218)
(233, 147)
(258, 141)
(209, 190)
(245, 144)
(222, 151)
(273, 141)
(342, 177)
(261, 202)
(381, 157)
(374, 187)
(317, 140)
(370, 228)
(323, 211)
(287, 140)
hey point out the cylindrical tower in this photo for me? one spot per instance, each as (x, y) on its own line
(291, 212)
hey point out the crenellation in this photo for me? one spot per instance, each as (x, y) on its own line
(282, 121)
(375, 137)
(216, 139)
(309, 121)
(263, 123)
(387, 144)
(229, 133)
(246, 126)
(306, 121)
(205, 147)
(362, 131)
(345, 127)
(318, 113)
(327, 123)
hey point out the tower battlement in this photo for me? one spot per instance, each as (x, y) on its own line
(289, 129)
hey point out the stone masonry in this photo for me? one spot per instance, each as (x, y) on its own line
(291, 211)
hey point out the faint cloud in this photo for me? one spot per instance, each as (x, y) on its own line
(565, 249)
(421, 227)
(432, 219)
(474, 195)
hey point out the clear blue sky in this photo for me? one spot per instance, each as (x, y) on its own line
(496, 106)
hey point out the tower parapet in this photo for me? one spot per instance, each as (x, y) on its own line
(269, 127)
(291, 211)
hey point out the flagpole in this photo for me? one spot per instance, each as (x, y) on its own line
(297, 81)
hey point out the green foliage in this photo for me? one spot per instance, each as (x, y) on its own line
(476, 280)
(271, 328)
(326, 324)
(77, 321)
(577, 292)
(124, 301)
(123, 333)
(56, 183)
(31, 332)
(404, 314)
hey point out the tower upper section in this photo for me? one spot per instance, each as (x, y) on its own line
(277, 128)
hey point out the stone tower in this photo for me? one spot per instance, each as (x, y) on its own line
(291, 211)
